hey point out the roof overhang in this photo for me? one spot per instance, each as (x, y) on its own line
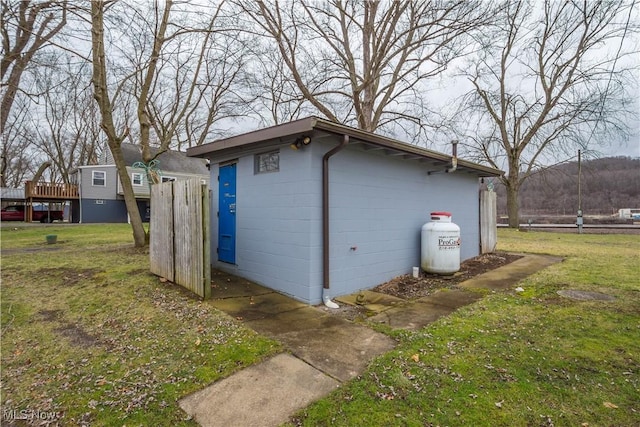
(282, 134)
(14, 194)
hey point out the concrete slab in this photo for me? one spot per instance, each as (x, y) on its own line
(258, 306)
(293, 321)
(372, 301)
(338, 348)
(507, 276)
(261, 395)
(227, 286)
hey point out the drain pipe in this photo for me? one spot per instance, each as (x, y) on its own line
(325, 222)
(454, 156)
(454, 160)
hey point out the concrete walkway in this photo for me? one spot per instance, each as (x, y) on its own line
(325, 350)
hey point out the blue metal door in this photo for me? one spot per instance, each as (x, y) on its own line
(227, 214)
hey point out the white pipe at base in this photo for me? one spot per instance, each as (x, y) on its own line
(327, 301)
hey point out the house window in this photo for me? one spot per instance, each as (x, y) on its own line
(267, 162)
(136, 179)
(99, 179)
(168, 178)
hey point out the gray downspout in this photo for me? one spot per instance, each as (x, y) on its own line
(325, 222)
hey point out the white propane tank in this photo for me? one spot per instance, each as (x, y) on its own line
(440, 245)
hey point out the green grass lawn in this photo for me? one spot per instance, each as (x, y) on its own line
(516, 359)
(90, 334)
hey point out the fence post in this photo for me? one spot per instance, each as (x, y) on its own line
(206, 241)
(488, 222)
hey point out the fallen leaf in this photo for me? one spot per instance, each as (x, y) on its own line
(416, 358)
(198, 342)
(610, 405)
(163, 280)
(499, 404)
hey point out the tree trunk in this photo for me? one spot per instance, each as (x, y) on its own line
(140, 238)
(101, 95)
(512, 205)
(40, 171)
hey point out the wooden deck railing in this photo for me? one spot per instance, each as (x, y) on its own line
(50, 190)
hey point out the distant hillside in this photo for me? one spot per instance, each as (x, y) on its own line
(608, 184)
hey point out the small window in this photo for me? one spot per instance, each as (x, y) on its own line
(99, 179)
(99, 202)
(267, 162)
(168, 178)
(136, 179)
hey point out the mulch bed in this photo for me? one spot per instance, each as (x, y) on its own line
(408, 287)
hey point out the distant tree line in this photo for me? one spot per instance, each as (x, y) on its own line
(607, 184)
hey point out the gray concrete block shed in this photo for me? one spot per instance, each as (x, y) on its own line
(315, 209)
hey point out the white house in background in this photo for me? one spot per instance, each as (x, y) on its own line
(315, 209)
(101, 198)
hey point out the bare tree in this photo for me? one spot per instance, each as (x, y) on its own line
(552, 77)
(196, 86)
(27, 26)
(66, 126)
(114, 137)
(17, 158)
(167, 64)
(365, 63)
(278, 98)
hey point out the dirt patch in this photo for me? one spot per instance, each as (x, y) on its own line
(78, 336)
(71, 276)
(409, 288)
(50, 315)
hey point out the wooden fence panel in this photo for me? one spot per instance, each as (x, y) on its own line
(488, 222)
(188, 228)
(161, 231)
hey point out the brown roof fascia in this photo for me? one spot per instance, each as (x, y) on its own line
(270, 133)
(307, 125)
(392, 144)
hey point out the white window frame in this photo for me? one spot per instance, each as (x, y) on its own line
(94, 177)
(133, 179)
